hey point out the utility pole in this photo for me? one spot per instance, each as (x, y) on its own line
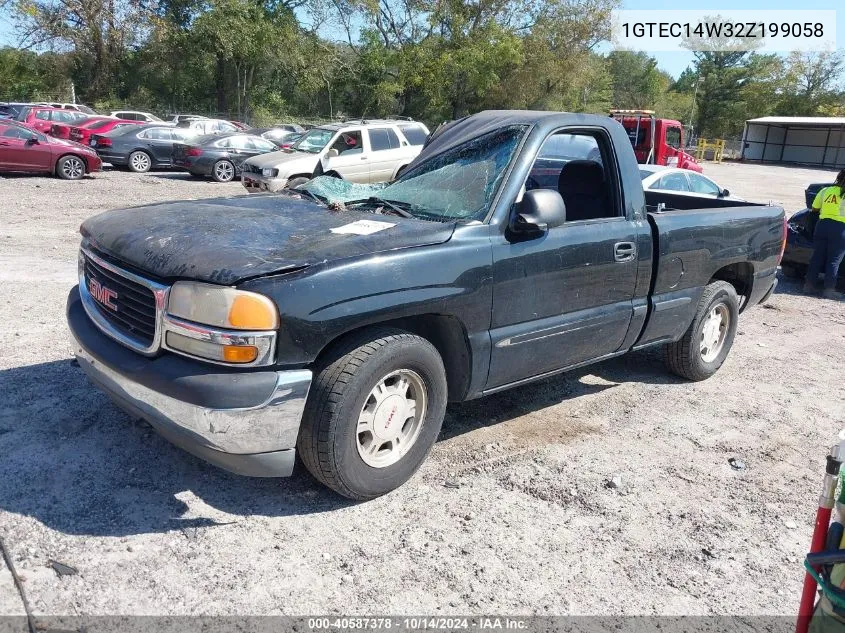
(72, 93)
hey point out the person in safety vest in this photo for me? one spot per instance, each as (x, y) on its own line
(829, 238)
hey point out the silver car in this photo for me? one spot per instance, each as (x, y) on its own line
(682, 181)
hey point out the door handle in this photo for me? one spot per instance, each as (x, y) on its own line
(363, 158)
(624, 251)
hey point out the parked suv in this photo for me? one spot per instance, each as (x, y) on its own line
(357, 151)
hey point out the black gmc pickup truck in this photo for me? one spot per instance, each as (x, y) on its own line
(337, 320)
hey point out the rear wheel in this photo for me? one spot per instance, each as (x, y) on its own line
(140, 162)
(70, 168)
(293, 183)
(706, 343)
(223, 171)
(374, 412)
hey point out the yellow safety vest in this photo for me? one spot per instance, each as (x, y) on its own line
(832, 204)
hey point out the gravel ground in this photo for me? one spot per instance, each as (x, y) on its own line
(513, 513)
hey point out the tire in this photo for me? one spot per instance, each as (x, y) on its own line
(331, 444)
(140, 162)
(223, 171)
(70, 167)
(688, 357)
(293, 183)
(793, 271)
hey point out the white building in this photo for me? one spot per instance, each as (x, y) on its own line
(817, 141)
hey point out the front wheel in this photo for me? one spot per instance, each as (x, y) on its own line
(706, 343)
(374, 412)
(140, 162)
(70, 168)
(223, 171)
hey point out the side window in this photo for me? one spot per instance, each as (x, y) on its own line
(43, 115)
(394, 139)
(379, 141)
(159, 134)
(700, 184)
(13, 131)
(414, 133)
(348, 143)
(224, 142)
(261, 145)
(572, 163)
(673, 137)
(239, 142)
(672, 182)
(180, 134)
(222, 127)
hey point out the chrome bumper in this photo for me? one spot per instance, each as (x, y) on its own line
(256, 441)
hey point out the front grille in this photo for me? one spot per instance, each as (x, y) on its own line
(135, 304)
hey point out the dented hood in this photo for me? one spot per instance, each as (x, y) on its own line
(228, 240)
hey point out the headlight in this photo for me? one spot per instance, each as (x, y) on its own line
(222, 307)
(269, 172)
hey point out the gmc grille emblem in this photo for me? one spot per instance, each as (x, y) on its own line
(103, 295)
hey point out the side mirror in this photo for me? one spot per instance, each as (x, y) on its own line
(32, 140)
(539, 211)
(332, 153)
(724, 193)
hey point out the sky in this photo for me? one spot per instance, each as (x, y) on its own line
(673, 63)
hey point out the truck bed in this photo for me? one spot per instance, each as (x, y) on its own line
(693, 244)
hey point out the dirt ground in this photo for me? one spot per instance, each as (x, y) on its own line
(513, 512)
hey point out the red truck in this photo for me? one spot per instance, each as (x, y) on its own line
(656, 141)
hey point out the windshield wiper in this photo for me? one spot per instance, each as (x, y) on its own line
(389, 204)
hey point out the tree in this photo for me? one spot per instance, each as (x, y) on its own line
(97, 31)
(637, 83)
(813, 83)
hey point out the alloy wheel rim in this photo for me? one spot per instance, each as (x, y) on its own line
(714, 332)
(391, 419)
(224, 171)
(73, 168)
(141, 162)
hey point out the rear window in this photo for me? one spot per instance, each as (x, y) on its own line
(414, 133)
(98, 125)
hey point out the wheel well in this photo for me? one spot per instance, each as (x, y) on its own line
(308, 176)
(444, 332)
(333, 174)
(740, 276)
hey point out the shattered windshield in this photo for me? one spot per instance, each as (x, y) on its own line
(313, 141)
(457, 184)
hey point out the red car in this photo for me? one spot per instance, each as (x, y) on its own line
(82, 133)
(42, 118)
(62, 130)
(23, 148)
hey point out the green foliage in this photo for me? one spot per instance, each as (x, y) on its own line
(266, 61)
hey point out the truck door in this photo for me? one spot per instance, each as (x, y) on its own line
(566, 297)
(670, 145)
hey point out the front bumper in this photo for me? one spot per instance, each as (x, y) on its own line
(256, 183)
(245, 422)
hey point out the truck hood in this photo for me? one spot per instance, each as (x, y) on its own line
(287, 162)
(228, 240)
